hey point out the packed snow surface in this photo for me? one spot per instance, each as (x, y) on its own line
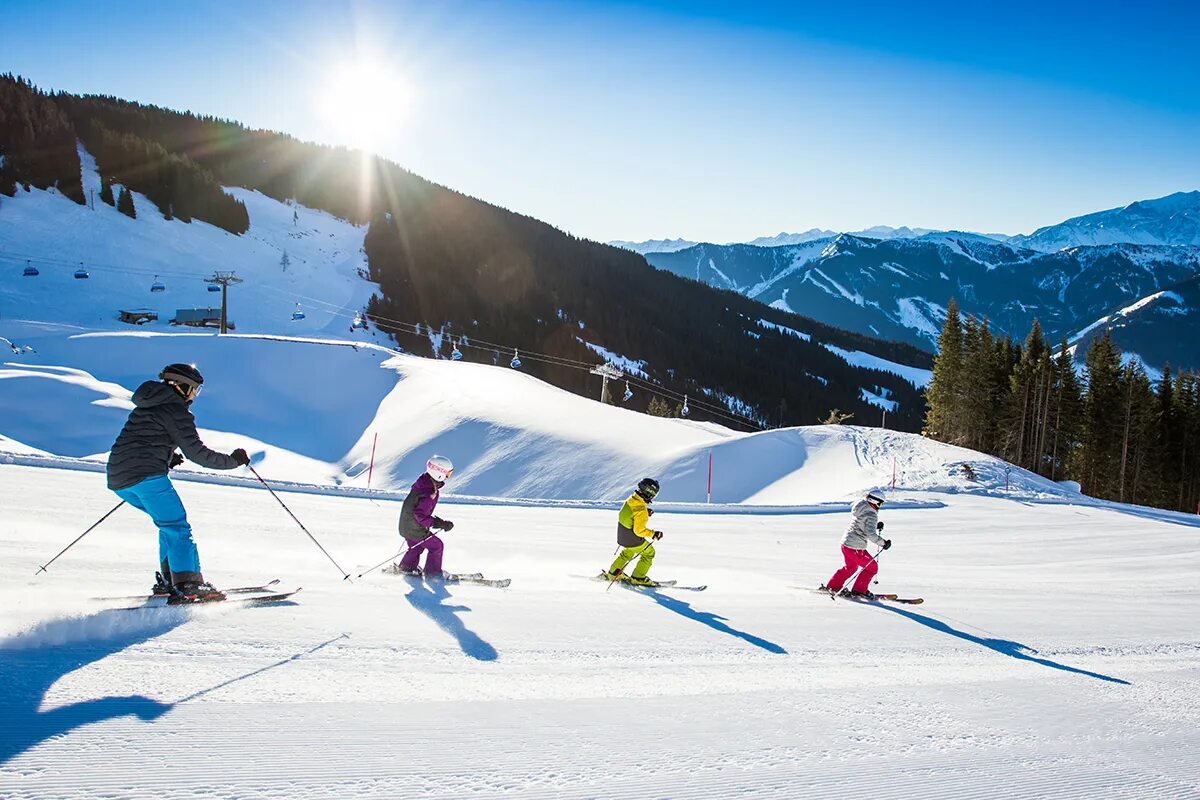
(1055, 656)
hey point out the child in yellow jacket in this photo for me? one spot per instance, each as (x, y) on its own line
(634, 537)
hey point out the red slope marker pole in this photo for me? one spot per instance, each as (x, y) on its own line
(371, 470)
(710, 476)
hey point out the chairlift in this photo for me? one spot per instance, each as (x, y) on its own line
(157, 286)
(628, 392)
(30, 270)
(214, 287)
(81, 273)
(455, 354)
(516, 360)
(358, 322)
(297, 314)
(685, 410)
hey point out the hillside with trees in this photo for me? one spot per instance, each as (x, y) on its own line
(457, 271)
(1121, 435)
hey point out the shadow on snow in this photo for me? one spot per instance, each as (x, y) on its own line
(33, 660)
(429, 600)
(1003, 646)
(714, 621)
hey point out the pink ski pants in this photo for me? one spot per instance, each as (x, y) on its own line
(854, 560)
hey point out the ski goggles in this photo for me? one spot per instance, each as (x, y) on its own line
(190, 391)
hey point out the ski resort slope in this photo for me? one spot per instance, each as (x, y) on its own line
(313, 410)
(1055, 656)
(124, 258)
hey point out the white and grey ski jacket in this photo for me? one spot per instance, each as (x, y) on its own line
(862, 528)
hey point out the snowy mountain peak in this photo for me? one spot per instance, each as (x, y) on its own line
(1171, 220)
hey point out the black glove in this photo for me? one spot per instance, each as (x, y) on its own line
(887, 543)
(657, 535)
(175, 461)
(879, 526)
(649, 512)
(443, 524)
(241, 457)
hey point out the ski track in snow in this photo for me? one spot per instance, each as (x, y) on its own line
(1040, 665)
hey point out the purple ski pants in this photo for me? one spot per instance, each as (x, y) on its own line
(433, 561)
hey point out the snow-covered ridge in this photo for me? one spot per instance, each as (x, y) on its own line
(509, 434)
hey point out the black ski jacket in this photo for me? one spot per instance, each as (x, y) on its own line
(161, 422)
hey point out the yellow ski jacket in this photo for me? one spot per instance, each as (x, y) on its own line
(631, 522)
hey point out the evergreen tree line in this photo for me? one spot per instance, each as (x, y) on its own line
(37, 142)
(455, 263)
(180, 188)
(1116, 432)
(38, 134)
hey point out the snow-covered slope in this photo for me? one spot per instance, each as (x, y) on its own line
(1055, 656)
(122, 256)
(1170, 220)
(313, 410)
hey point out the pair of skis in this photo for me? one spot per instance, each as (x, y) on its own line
(262, 594)
(891, 598)
(472, 578)
(624, 582)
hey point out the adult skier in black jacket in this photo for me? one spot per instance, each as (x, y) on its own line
(137, 471)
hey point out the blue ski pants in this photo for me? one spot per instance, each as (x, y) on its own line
(158, 498)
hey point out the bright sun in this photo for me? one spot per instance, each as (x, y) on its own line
(364, 102)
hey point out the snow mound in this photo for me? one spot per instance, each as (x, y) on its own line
(314, 411)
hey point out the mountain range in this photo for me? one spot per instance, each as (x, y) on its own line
(1170, 220)
(899, 288)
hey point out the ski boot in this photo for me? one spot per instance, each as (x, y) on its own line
(606, 575)
(161, 585)
(642, 581)
(854, 595)
(415, 572)
(194, 592)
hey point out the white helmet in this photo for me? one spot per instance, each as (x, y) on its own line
(439, 468)
(876, 496)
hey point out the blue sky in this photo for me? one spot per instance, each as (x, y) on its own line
(705, 120)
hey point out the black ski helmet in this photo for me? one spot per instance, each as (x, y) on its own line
(647, 488)
(185, 375)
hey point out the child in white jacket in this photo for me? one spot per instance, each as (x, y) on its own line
(863, 531)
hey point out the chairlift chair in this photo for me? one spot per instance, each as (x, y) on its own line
(455, 354)
(685, 410)
(628, 392)
(157, 286)
(516, 360)
(214, 287)
(81, 273)
(30, 270)
(297, 314)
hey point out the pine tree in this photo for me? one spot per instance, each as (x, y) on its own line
(125, 203)
(106, 192)
(944, 391)
(1097, 459)
(1068, 401)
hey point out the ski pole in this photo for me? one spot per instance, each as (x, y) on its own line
(77, 538)
(636, 555)
(402, 552)
(345, 575)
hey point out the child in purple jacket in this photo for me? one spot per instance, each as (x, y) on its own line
(417, 520)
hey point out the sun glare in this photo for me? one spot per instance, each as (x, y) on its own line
(364, 102)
